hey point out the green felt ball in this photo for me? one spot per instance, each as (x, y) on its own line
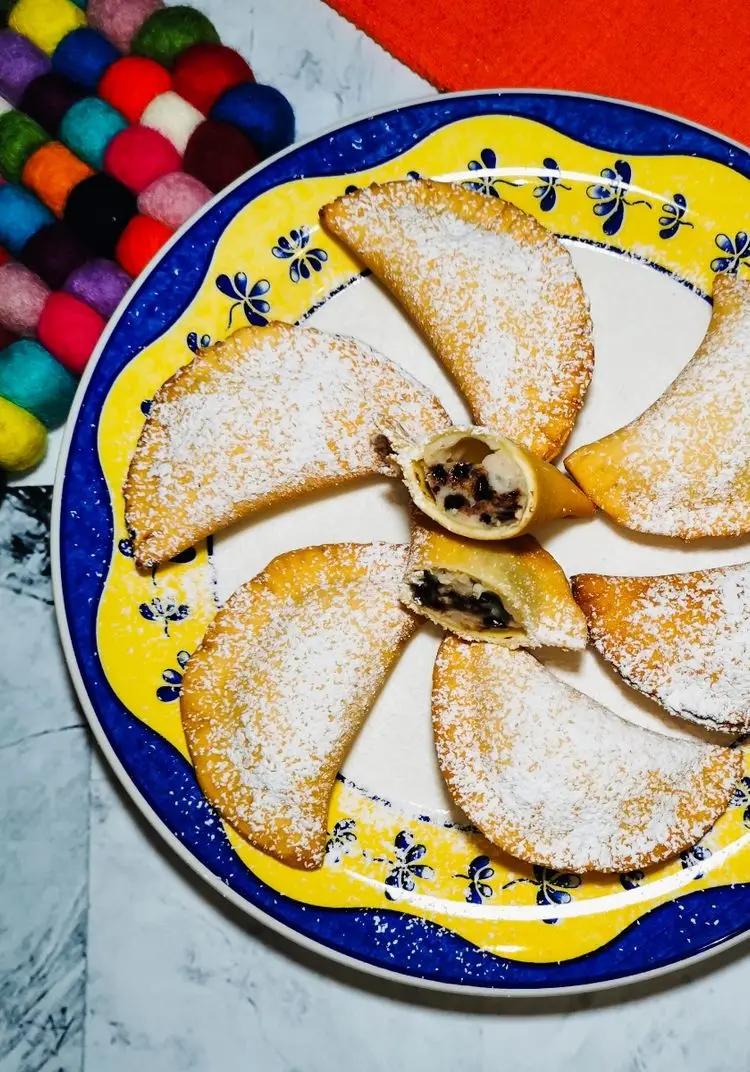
(31, 378)
(169, 31)
(20, 136)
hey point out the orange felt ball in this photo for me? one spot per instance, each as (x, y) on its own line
(204, 71)
(139, 242)
(137, 156)
(131, 83)
(51, 173)
(69, 329)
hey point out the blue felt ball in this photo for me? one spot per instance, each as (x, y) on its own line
(21, 216)
(88, 128)
(261, 112)
(30, 377)
(83, 56)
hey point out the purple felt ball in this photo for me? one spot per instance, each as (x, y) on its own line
(101, 284)
(20, 63)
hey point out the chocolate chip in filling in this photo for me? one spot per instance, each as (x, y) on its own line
(461, 598)
(467, 487)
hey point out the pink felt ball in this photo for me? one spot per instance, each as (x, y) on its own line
(69, 329)
(22, 298)
(174, 198)
(120, 20)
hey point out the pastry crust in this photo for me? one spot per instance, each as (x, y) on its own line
(682, 639)
(283, 680)
(263, 417)
(519, 491)
(554, 778)
(494, 292)
(683, 467)
(516, 579)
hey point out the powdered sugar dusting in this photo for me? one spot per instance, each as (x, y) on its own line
(555, 778)
(683, 639)
(294, 673)
(267, 414)
(496, 295)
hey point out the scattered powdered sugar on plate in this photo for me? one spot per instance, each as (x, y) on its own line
(286, 676)
(554, 778)
(683, 639)
(496, 294)
(268, 414)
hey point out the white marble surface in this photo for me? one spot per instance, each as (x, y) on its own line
(175, 979)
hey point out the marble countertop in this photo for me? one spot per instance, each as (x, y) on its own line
(115, 958)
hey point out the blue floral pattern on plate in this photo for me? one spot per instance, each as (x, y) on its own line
(553, 887)
(478, 874)
(303, 258)
(673, 216)
(610, 196)
(487, 184)
(550, 181)
(247, 296)
(172, 687)
(736, 252)
(164, 611)
(408, 866)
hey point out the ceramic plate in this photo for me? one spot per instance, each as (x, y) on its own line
(652, 209)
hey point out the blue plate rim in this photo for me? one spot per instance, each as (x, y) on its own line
(432, 944)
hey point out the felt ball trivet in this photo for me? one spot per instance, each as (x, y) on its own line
(98, 210)
(218, 153)
(83, 56)
(20, 63)
(69, 329)
(33, 379)
(140, 241)
(53, 253)
(138, 155)
(48, 98)
(52, 172)
(45, 22)
(261, 112)
(89, 127)
(100, 283)
(203, 72)
(167, 33)
(20, 136)
(131, 84)
(120, 20)
(22, 297)
(21, 216)
(173, 198)
(173, 117)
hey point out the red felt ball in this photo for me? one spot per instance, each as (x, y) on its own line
(204, 71)
(69, 329)
(4, 255)
(139, 242)
(131, 83)
(218, 153)
(137, 156)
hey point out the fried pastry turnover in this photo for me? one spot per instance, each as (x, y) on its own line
(286, 674)
(554, 778)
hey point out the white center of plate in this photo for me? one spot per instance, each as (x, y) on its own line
(646, 327)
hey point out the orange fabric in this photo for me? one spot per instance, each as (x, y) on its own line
(51, 173)
(685, 57)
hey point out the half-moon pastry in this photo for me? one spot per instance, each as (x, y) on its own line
(283, 680)
(479, 484)
(554, 778)
(511, 593)
(263, 417)
(493, 291)
(682, 639)
(683, 467)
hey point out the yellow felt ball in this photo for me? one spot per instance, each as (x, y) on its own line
(46, 22)
(23, 439)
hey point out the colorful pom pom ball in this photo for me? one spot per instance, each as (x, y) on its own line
(131, 84)
(33, 379)
(69, 329)
(20, 136)
(53, 253)
(140, 241)
(138, 156)
(48, 98)
(167, 33)
(45, 22)
(22, 298)
(120, 20)
(203, 72)
(98, 210)
(261, 112)
(20, 63)
(102, 284)
(89, 127)
(83, 56)
(23, 438)
(218, 153)
(173, 198)
(21, 216)
(173, 117)
(52, 172)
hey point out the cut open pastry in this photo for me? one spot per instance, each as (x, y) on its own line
(265, 416)
(683, 467)
(479, 484)
(511, 593)
(554, 778)
(283, 680)
(493, 291)
(683, 639)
